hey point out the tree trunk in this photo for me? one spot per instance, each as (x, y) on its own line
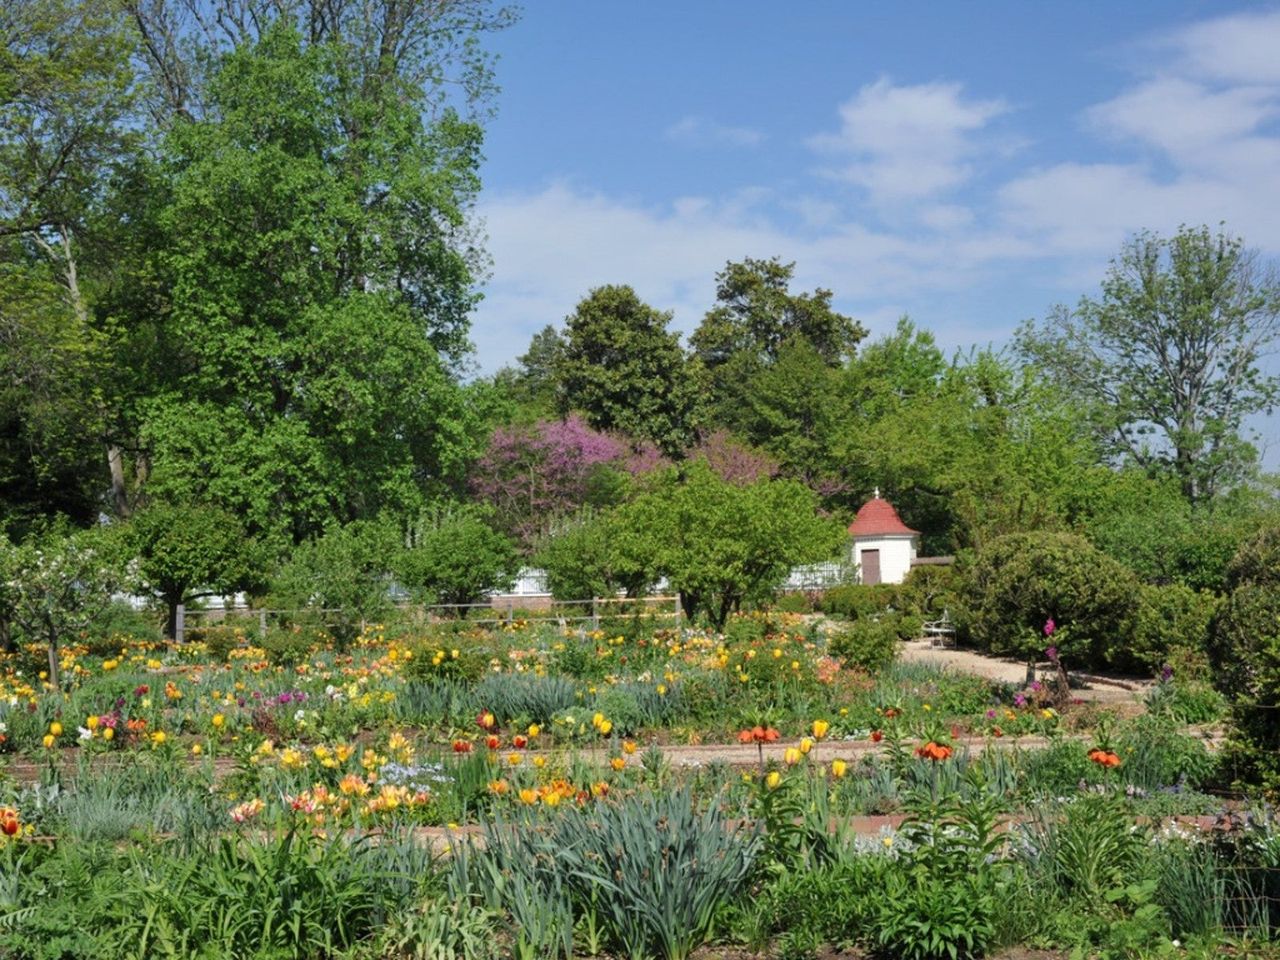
(53, 662)
(171, 618)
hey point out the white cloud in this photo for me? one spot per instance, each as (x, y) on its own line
(907, 142)
(1190, 139)
(700, 132)
(1240, 48)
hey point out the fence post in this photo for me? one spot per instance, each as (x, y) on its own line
(511, 609)
(180, 624)
(595, 613)
(678, 614)
(262, 623)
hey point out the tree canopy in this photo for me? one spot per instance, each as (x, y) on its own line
(1167, 360)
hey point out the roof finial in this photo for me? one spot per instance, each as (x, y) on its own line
(877, 493)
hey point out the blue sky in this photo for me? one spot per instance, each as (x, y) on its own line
(968, 164)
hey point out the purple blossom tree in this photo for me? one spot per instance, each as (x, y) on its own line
(533, 473)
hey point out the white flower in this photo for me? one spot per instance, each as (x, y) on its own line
(300, 716)
(85, 733)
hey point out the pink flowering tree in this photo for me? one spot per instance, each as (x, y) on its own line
(532, 473)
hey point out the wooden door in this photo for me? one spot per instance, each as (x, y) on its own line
(870, 566)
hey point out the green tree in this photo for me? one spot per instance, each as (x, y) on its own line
(66, 96)
(756, 316)
(1167, 361)
(979, 450)
(62, 582)
(345, 572)
(305, 385)
(595, 555)
(454, 556)
(722, 544)
(624, 370)
(185, 552)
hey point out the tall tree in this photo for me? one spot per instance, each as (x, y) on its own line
(755, 317)
(66, 92)
(310, 277)
(624, 370)
(1167, 359)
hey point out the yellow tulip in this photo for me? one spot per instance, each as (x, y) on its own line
(528, 796)
(773, 779)
(605, 727)
(109, 733)
(92, 723)
(218, 720)
(534, 730)
(48, 740)
(791, 756)
(838, 768)
(820, 728)
(806, 745)
(55, 728)
(618, 763)
(196, 749)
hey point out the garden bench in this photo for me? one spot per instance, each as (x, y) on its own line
(941, 633)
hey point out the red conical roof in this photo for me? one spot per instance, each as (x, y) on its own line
(877, 518)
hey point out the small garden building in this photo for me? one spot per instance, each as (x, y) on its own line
(884, 547)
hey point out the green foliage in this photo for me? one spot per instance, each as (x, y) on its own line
(590, 555)
(454, 556)
(1169, 619)
(189, 551)
(940, 899)
(866, 643)
(345, 573)
(857, 600)
(624, 370)
(1166, 362)
(1019, 582)
(1084, 848)
(61, 583)
(770, 359)
(310, 384)
(720, 544)
(651, 868)
(288, 645)
(1244, 651)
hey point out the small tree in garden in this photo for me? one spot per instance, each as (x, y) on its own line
(721, 544)
(346, 572)
(1020, 581)
(187, 551)
(454, 556)
(592, 555)
(60, 584)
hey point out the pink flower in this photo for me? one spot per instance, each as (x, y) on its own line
(1049, 627)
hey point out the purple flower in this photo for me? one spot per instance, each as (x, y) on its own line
(1035, 685)
(1019, 701)
(1166, 673)
(991, 714)
(1049, 627)
(1052, 654)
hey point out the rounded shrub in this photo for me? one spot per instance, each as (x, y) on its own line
(1244, 650)
(869, 644)
(1171, 624)
(1020, 581)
